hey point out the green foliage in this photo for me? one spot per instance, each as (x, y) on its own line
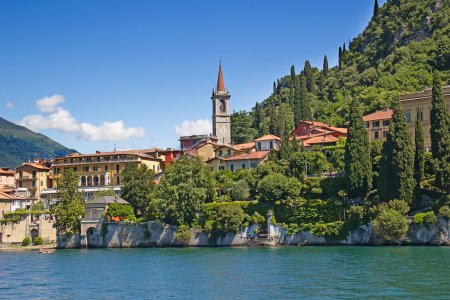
(330, 231)
(424, 218)
(396, 179)
(138, 184)
(14, 216)
(419, 161)
(183, 234)
(38, 207)
(242, 128)
(107, 192)
(187, 184)
(297, 164)
(240, 190)
(277, 186)
(223, 217)
(69, 209)
(358, 168)
(440, 135)
(444, 212)
(123, 211)
(26, 241)
(38, 241)
(390, 223)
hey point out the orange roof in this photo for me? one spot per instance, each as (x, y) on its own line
(268, 137)
(319, 140)
(385, 114)
(244, 146)
(7, 171)
(5, 196)
(248, 156)
(33, 165)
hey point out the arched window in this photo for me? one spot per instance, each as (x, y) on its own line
(96, 181)
(89, 181)
(83, 180)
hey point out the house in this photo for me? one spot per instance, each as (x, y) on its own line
(203, 151)
(34, 177)
(246, 161)
(247, 147)
(220, 153)
(7, 178)
(267, 143)
(410, 102)
(95, 209)
(9, 203)
(312, 133)
(377, 124)
(190, 142)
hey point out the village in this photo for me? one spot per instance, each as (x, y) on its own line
(28, 192)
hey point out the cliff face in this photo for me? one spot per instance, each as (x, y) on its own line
(155, 234)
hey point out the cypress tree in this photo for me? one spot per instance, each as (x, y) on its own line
(295, 146)
(375, 9)
(358, 167)
(440, 135)
(325, 66)
(310, 85)
(274, 88)
(305, 103)
(278, 86)
(340, 58)
(419, 161)
(292, 73)
(273, 120)
(344, 49)
(297, 102)
(281, 121)
(396, 178)
(285, 147)
(257, 120)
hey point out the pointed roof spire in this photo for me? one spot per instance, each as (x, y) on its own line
(220, 83)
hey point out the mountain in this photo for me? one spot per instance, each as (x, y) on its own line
(19, 144)
(396, 53)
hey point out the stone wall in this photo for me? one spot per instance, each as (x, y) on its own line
(12, 233)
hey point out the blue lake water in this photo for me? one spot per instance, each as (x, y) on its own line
(228, 273)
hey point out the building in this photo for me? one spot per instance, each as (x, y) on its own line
(267, 143)
(312, 133)
(7, 178)
(246, 161)
(222, 152)
(9, 203)
(410, 102)
(104, 168)
(35, 178)
(377, 124)
(203, 151)
(221, 117)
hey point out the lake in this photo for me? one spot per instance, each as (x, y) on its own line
(228, 273)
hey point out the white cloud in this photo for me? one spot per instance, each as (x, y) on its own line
(194, 127)
(60, 119)
(49, 104)
(9, 105)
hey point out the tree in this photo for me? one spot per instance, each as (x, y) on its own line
(340, 58)
(241, 127)
(440, 135)
(292, 73)
(122, 211)
(325, 66)
(396, 180)
(257, 118)
(375, 9)
(69, 208)
(298, 164)
(309, 75)
(419, 161)
(358, 168)
(277, 187)
(304, 101)
(274, 93)
(285, 148)
(318, 162)
(138, 183)
(390, 223)
(281, 121)
(186, 185)
(273, 114)
(240, 190)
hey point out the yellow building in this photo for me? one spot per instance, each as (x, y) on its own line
(409, 104)
(104, 168)
(222, 152)
(377, 124)
(35, 178)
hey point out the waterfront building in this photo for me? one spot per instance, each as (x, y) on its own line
(312, 133)
(9, 203)
(410, 102)
(35, 178)
(377, 124)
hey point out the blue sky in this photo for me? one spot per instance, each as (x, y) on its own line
(94, 74)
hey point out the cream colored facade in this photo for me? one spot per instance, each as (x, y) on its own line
(224, 151)
(35, 178)
(409, 104)
(104, 168)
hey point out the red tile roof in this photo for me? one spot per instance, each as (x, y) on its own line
(385, 114)
(7, 171)
(248, 156)
(33, 165)
(268, 137)
(317, 140)
(244, 146)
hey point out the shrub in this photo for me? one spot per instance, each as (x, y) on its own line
(183, 234)
(240, 190)
(330, 231)
(38, 207)
(26, 241)
(444, 212)
(38, 241)
(122, 211)
(424, 218)
(277, 186)
(391, 224)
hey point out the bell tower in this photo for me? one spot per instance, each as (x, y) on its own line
(221, 117)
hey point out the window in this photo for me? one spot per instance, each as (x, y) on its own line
(220, 153)
(258, 146)
(221, 168)
(304, 130)
(243, 166)
(85, 168)
(95, 168)
(118, 180)
(34, 174)
(384, 134)
(106, 168)
(271, 145)
(376, 124)
(42, 183)
(56, 171)
(386, 122)
(408, 117)
(229, 152)
(253, 165)
(117, 168)
(20, 174)
(376, 135)
(75, 169)
(367, 124)
(33, 183)
(232, 168)
(20, 183)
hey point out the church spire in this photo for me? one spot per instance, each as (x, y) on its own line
(220, 83)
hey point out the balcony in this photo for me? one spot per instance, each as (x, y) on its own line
(101, 161)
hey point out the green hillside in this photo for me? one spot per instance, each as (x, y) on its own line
(403, 42)
(19, 144)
